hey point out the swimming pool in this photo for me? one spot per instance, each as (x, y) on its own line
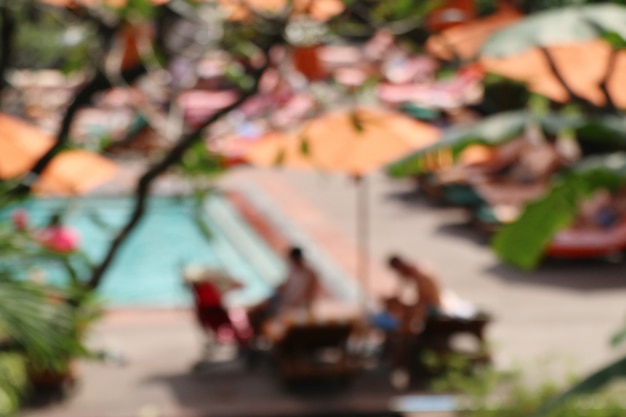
(147, 269)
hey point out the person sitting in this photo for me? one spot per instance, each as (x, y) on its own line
(211, 312)
(429, 301)
(296, 293)
(298, 290)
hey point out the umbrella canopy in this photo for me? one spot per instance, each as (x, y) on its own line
(321, 10)
(492, 131)
(74, 172)
(465, 40)
(95, 3)
(70, 172)
(566, 25)
(21, 146)
(353, 142)
(582, 66)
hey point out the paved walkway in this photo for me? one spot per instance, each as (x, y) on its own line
(564, 309)
(161, 348)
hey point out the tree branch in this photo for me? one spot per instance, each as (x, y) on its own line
(98, 83)
(559, 77)
(6, 44)
(610, 104)
(146, 180)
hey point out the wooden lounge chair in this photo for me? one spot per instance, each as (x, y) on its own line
(437, 341)
(315, 351)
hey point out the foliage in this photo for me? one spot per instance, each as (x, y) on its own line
(577, 394)
(575, 24)
(522, 243)
(40, 322)
(619, 337)
(502, 127)
(12, 382)
(37, 332)
(492, 393)
(200, 162)
(21, 250)
(44, 40)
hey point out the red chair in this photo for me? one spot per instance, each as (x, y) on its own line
(227, 327)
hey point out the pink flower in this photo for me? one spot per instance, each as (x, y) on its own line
(20, 219)
(60, 239)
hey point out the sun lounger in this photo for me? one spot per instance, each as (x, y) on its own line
(434, 349)
(588, 242)
(313, 351)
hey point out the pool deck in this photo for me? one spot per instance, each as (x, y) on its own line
(567, 310)
(563, 309)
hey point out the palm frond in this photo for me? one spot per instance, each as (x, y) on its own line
(44, 329)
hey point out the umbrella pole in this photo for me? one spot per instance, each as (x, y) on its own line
(362, 201)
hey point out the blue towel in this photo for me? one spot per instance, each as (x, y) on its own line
(384, 321)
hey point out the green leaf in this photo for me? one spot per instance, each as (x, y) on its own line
(356, 121)
(236, 73)
(523, 242)
(575, 24)
(200, 162)
(491, 131)
(614, 39)
(13, 382)
(305, 147)
(280, 158)
(45, 330)
(590, 384)
(199, 214)
(607, 132)
(96, 218)
(619, 337)
(137, 8)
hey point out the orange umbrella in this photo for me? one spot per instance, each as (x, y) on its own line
(352, 142)
(74, 172)
(21, 146)
(320, 10)
(95, 3)
(466, 39)
(70, 172)
(581, 65)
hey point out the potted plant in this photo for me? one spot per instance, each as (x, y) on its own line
(38, 331)
(79, 310)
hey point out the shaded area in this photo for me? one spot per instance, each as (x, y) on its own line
(230, 390)
(580, 275)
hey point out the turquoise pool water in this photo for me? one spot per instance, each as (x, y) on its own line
(147, 269)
